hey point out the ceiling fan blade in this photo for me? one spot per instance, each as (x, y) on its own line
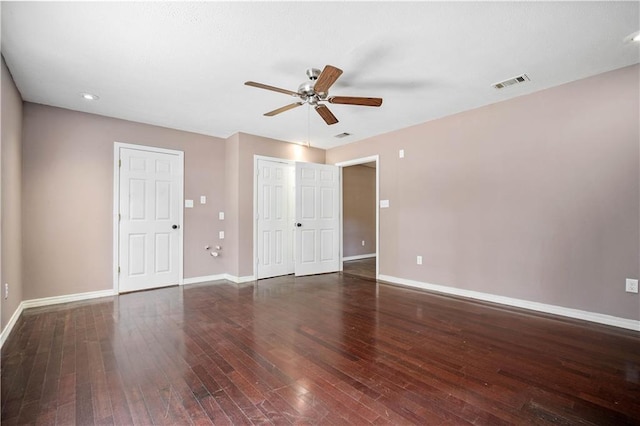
(326, 114)
(267, 87)
(352, 100)
(283, 109)
(327, 77)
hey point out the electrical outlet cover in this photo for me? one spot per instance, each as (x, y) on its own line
(631, 286)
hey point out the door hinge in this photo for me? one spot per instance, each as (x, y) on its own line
(119, 217)
(119, 163)
(118, 269)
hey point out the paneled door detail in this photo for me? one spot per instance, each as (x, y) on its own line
(149, 228)
(317, 219)
(274, 219)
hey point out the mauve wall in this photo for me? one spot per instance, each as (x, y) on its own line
(248, 146)
(10, 193)
(68, 197)
(535, 198)
(230, 243)
(358, 210)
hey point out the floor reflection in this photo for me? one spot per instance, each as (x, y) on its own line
(362, 268)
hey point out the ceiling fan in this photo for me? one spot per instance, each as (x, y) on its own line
(315, 91)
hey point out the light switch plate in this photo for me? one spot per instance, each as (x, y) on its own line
(221, 216)
(221, 235)
(203, 199)
(401, 153)
(631, 286)
(384, 204)
(188, 204)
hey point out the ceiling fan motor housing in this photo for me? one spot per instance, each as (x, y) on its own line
(307, 94)
(306, 90)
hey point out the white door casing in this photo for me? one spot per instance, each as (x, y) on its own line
(149, 231)
(274, 221)
(317, 248)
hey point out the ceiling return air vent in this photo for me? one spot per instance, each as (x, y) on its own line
(342, 135)
(512, 81)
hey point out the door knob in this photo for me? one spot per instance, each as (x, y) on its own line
(298, 224)
(175, 226)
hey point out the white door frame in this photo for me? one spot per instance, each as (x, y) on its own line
(116, 206)
(355, 162)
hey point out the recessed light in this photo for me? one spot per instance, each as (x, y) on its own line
(89, 96)
(634, 37)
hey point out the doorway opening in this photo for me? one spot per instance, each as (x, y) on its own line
(360, 218)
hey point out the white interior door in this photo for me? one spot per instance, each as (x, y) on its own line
(317, 219)
(149, 231)
(274, 219)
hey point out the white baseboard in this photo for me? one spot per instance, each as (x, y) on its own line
(519, 303)
(11, 323)
(34, 303)
(218, 277)
(358, 257)
(239, 280)
(204, 279)
(45, 301)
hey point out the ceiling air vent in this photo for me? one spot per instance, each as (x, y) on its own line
(342, 135)
(510, 82)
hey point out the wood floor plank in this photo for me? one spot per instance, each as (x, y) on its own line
(137, 407)
(84, 403)
(118, 398)
(214, 411)
(327, 349)
(66, 414)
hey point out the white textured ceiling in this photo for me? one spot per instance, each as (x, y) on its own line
(182, 65)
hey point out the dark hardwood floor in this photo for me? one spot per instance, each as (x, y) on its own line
(363, 268)
(329, 349)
